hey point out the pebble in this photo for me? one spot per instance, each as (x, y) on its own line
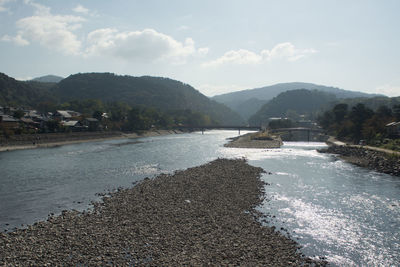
(375, 160)
(153, 224)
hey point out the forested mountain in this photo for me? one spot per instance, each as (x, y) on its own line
(48, 79)
(293, 103)
(161, 93)
(247, 102)
(18, 93)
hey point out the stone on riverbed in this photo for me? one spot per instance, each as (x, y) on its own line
(201, 216)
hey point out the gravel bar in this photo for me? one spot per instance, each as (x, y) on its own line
(246, 141)
(203, 216)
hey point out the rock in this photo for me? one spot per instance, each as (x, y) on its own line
(375, 160)
(219, 226)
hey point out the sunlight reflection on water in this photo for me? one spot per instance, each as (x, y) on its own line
(348, 214)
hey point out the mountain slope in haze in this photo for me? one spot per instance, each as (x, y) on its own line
(161, 93)
(18, 93)
(373, 103)
(236, 100)
(301, 101)
(48, 79)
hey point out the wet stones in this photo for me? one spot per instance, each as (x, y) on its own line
(375, 160)
(201, 216)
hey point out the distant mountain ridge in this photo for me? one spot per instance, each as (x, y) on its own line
(247, 102)
(22, 93)
(163, 94)
(292, 104)
(48, 79)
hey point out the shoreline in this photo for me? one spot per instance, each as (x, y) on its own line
(77, 138)
(373, 158)
(203, 215)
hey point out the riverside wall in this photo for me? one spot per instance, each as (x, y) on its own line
(376, 160)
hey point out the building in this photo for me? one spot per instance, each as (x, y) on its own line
(8, 122)
(62, 115)
(75, 126)
(93, 124)
(393, 128)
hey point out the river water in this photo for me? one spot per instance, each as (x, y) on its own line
(333, 209)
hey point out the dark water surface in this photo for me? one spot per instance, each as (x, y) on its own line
(334, 209)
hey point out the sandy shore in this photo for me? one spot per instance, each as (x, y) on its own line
(53, 140)
(248, 141)
(203, 216)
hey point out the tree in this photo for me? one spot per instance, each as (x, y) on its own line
(340, 111)
(98, 115)
(18, 114)
(292, 114)
(396, 112)
(358, 115)
(46, 106)
(276, 124)
(384, 112)
(52, 126)
(327, 119)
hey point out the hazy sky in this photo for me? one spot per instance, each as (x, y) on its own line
(216, 46)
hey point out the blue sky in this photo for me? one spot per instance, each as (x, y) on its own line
(215, 46)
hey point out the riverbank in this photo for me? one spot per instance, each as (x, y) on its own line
(255, 140)
(58, 139)
(378, 159)
(201, 216)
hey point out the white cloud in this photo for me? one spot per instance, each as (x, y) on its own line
(52, 31)
(57, 32)
(2, 5)
(81, 9)
(286, 51)
(183, 28)
(241, 56)
(146, 45)
(388, 89)
(18, 40)
(203, 51)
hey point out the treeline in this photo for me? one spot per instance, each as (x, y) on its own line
(359, 122)
(121, 116)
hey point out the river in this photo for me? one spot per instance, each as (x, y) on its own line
(348, 214)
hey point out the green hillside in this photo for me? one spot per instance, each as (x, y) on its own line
(18, 93)
(247, 102)
(292, 103)
(161, 93)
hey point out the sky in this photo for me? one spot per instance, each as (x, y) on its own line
(217, 46)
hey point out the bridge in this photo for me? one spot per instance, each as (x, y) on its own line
(249, 128)
(296, 129)
(218, 127)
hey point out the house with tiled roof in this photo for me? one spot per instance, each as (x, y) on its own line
(393, 128)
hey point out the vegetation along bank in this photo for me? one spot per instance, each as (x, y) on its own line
(376, 160)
